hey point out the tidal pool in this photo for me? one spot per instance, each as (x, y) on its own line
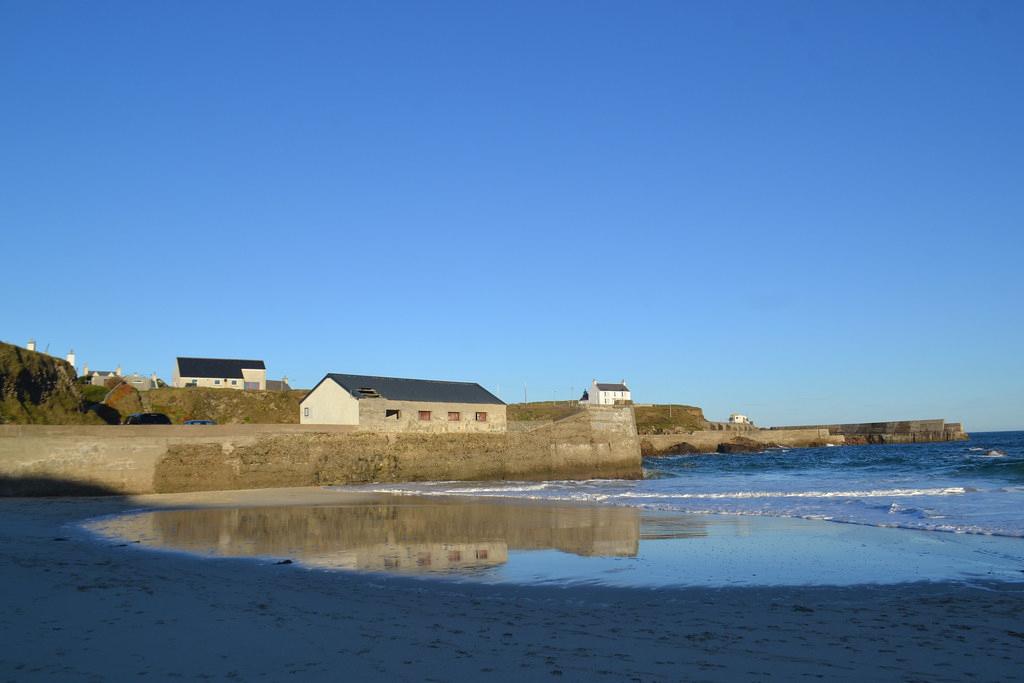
(497, 541)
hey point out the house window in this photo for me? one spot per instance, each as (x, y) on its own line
(481, 417)
(234, 382)
(455, 556)
(454, 417)
(305, 412)
(425, 415)
(481, 553)
(216, 381)
(393, 413)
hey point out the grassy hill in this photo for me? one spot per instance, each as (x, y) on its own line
(541, 410)
(39, 389)
(668, 419)
(226, 406)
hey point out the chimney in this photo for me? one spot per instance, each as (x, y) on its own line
(284, 380)
(31, 346)
(117, 371)
(623, 383)
(71, 358)
(85, 369)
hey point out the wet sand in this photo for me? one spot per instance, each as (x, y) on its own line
(74, 608)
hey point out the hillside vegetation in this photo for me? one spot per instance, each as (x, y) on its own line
(39, 389)
(226, 406)
(541, 410)
(669, 419)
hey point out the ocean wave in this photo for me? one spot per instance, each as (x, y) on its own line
(512, 490)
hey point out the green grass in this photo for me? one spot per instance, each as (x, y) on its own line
(92, 393)
(660, 419)
(542, 410)
(39, 389)
(225, 406)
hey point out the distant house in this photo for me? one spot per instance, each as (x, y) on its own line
(738, 419)
(605, 394)
(100, 377)
(397, 404)
(140, 382)
(220, 373)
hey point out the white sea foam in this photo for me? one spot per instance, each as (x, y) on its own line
(513, 491)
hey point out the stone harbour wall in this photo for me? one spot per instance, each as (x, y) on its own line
(49, 460)
(708, 440)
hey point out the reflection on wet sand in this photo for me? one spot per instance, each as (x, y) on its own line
(393, 534)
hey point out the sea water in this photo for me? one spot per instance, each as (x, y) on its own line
(974, 487)
(846, 515)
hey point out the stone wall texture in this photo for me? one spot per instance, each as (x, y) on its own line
(42, 460)
(897, 431)
(706, 441)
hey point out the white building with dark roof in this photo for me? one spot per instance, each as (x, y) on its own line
(220, 373)
(606, 394)
(396, 404)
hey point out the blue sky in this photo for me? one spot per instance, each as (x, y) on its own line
(803, 211)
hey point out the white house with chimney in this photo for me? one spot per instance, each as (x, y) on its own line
(606, 394)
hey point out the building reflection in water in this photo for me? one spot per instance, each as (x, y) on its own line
(395, 534)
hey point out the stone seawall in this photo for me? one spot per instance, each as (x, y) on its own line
(43, 460)
(898, 431)
(708, 440)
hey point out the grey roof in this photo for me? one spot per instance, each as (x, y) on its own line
(612, 387)
(401, 389)
(221, 368)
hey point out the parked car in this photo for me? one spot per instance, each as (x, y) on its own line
(147, 419)
(200, 422)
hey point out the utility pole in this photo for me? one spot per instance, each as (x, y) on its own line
(525, 399)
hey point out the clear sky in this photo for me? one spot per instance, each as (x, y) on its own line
(803, 211)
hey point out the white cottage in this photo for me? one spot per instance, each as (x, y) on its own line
(220, 373)
(605, 394)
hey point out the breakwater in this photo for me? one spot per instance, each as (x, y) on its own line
(599, 442)
(900, 431)
(708, 440)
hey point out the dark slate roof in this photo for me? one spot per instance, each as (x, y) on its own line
(612, 387)
(427, 390)
(221, 368)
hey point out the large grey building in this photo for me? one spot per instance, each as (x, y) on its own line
(398, 404)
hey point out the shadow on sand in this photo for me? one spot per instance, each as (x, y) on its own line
(33, 486)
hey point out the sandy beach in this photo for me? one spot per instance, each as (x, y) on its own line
(75, 608)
